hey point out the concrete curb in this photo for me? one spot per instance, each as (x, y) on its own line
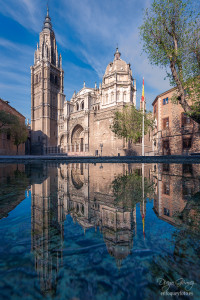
(103, 159)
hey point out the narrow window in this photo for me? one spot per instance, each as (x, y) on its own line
(165, 123)
(187, 143)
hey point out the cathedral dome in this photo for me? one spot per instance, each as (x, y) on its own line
(118, 65)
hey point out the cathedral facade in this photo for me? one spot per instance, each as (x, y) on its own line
(80, 126)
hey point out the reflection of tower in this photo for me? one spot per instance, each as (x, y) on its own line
(47, 231)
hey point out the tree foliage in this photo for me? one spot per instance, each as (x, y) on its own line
(128, 123)
(128, 189)
(7, 120)
(19, 134)
(171, 39)
(11, 125)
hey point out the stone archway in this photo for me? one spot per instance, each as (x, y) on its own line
(77, 139)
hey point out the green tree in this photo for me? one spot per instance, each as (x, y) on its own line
(128, 190)
(6, 120)
(19, 134)
(128, 123)
(171, 39)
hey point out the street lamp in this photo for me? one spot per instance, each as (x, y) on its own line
(101, 146)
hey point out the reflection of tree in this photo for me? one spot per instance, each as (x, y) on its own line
(128, 189)
(190, 216)
(184, 261)
(12, 188)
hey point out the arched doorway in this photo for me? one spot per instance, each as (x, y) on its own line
(77, 139)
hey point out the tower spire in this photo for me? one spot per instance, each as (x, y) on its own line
(47, 21)
(117, 54)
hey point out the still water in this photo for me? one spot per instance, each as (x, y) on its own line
(99, 231)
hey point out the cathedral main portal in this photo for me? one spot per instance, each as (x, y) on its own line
(77, 139)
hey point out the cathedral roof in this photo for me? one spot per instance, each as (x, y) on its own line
(118, 65)
(47, 21)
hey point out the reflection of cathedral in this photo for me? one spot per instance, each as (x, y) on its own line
(81, 125)
(85, 192)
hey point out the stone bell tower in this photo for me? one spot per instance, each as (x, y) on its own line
(47, 89)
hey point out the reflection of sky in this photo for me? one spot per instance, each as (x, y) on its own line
(87, 33)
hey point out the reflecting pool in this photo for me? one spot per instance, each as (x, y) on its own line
(99, 231)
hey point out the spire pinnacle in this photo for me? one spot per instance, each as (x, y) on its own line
(117, 54)
(47, 21)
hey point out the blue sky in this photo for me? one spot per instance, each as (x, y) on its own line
(87, 32)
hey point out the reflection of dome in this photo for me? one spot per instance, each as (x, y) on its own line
(119, 243)
(118, 251)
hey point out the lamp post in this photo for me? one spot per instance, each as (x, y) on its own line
(101, 146)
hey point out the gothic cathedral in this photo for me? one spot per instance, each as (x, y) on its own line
(80, 126)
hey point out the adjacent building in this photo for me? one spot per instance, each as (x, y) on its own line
(174, 132)
(7, 146)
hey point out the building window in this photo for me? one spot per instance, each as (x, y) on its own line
(118, 96)
(187, 169)
(166, 212)
(8, 135)
(165, 123)
(82, 105)
(166, 168)
(112, 97)
(56, 80)
(187, 143)
(77, 106)
(185, 119)
(154, 109)
(51, 78)
(165, 101)
(166, 188)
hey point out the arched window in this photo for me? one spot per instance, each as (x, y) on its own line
(77, 106)
(82, 105)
